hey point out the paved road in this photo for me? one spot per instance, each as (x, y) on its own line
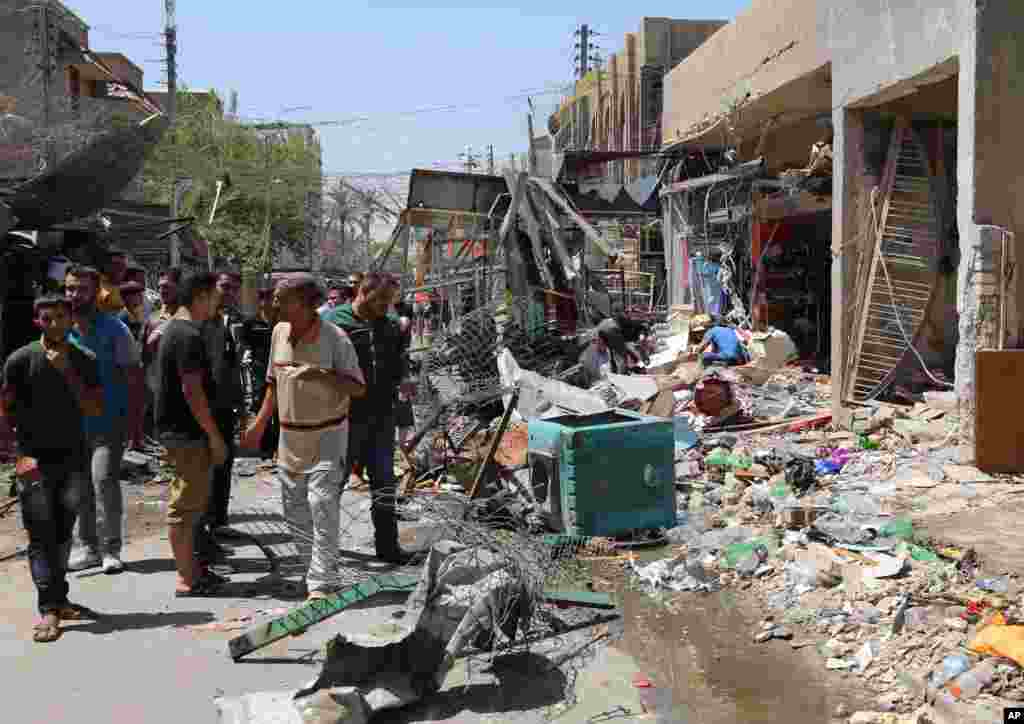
(141, 662)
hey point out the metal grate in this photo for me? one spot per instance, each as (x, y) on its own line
(898, 283)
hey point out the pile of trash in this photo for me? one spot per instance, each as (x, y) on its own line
(819, 528)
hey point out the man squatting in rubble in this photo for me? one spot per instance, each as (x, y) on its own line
(724, 345)
(48, 387)
(610, 352)
(120, 370)
(379, 344)
(187, 428)
(314, 375)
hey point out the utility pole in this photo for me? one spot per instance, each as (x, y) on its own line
(532, 163)
(582, 51)
(490, 160)
(469, 159)
(171, 46)
(512, 160)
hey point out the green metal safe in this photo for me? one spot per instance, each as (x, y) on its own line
(604, 475)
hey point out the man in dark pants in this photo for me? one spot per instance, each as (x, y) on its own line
(48, 386)
(220, 335)
(381, 351)
(254, 338)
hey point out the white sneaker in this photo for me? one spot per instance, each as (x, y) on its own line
(112, 563)
(84, 559)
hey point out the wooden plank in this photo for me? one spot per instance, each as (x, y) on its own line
(872, 266)
(547, 212)
(997, 420)
(589, 599)
(485, 464)
(296, 621)
(516, 184)
(532, 230)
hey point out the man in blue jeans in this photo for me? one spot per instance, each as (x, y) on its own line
(380, 347)
(48, 386)
(120, 372)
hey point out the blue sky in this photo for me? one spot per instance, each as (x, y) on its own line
(390, 64)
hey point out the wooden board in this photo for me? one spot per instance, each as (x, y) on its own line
(661, 405)
(998, 424)
(897, 286)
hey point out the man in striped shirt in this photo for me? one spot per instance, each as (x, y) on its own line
(314, 373)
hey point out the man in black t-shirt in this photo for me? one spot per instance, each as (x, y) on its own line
(254, 338)
(48, 385)
(186, 426)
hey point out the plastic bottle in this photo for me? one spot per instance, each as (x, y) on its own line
(952, 666)
(969, 684)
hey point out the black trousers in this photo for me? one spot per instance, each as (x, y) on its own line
(372, 442)
(220, 493)
(49, 507)
(271, 436)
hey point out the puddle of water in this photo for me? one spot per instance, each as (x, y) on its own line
(704, 666)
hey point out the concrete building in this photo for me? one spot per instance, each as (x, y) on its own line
(618, 107)
(925, 82)
(958, 60)
(53, 98)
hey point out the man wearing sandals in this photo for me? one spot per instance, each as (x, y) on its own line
(187, 428)
(48, 387)
(314, 373)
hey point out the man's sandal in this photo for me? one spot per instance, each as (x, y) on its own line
(206, 586)
(47, 630)
(76, 612)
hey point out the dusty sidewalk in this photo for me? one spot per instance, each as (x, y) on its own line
(146, 660)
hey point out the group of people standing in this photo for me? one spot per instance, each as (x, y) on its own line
(99, 378)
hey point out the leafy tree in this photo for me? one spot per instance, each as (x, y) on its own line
(271, 178)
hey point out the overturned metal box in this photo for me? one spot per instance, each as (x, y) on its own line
(605, 474)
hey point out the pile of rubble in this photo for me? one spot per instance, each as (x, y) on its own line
(818, 526)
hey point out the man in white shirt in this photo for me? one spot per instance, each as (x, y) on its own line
(313, 375)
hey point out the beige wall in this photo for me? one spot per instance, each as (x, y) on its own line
(666, 42)
(770, 44)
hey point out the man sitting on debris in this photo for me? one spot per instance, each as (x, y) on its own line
(314, 375)
(48, 386)
(725, 345)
